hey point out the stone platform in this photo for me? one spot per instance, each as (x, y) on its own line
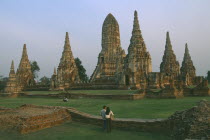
(29, 118)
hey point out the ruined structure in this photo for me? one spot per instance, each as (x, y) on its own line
(155, 80)
(187, 70)
(24, 74)
(169, 66)
(138, 60)
(11, 86)
(115, 69)
(193, 123)
(111, 53)
(67, 72)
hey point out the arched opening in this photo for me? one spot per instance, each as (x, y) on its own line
(127, 82)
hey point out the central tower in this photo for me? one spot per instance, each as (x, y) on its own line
(111, 52)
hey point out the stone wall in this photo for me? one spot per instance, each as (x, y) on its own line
(105, 96)
(166, 93)
(148, 125)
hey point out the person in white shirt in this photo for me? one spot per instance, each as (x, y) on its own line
(103, 116)
(109, 117)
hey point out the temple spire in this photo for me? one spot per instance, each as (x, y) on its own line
(168, 42)
(24, 74)
(136, 21)
(67, 72)
(169, 64)
(12, 68)
(67, 39)
(138, 58)
(24, 62)
(24, 53)
(188, 71)
(11, 86)
(186, 49)
(136, 27)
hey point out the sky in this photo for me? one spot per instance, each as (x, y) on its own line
(41, 25)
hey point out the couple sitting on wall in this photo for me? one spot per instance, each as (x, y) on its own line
(107, 116)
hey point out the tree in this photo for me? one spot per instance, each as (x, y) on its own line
(3, 82)
(82, 71)
(208, 76)
(35, 68)
(44, 81)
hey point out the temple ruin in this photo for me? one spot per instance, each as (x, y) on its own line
(11, 86)
(187, 70)
(23, 78)
(24, 74)
(138, 63)
(169, 66)
(111, 53)
(115, 69)
(67, 72)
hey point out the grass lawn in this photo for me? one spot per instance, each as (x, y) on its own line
(86, 92)
(145, 108)
(79, 131)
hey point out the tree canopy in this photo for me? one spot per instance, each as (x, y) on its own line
(35, 68)
(82, 71)
(44, 81)
(208, 76)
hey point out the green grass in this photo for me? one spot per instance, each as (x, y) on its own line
(145, 108)
(86, 92)
(79, 131)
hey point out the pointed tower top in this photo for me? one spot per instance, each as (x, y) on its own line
(67, 35)
(187, 54)
(24, 50)
(54, 70)
(24, 62)
(135, 14)
(12, 65)
(136, 27)
(67, 43)
(110, 15)
(67, 53)
(168, 38)
(12, 68)
(109, 18)
(67, 38)
(186, 49)
(187, 64)
(168, 42)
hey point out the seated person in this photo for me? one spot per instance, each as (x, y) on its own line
(65, 99)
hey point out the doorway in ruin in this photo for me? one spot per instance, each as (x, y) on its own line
(127, 82)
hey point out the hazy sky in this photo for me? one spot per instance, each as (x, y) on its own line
(42, 24)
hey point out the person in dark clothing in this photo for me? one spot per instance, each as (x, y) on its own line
(109, 116)
(103, 116)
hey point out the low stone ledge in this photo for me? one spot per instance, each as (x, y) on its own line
(148, 125)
